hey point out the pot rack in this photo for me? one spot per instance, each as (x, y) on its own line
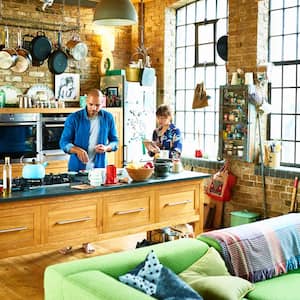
(40, 25)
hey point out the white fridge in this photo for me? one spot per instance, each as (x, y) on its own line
(139, 106)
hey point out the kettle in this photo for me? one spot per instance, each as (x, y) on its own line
(34, 170)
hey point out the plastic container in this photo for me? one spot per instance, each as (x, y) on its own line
(242, 217)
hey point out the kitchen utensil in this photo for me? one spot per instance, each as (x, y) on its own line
(222, 47)
(140, 174)
(33, 170)
(58, 59)
(8, 56)
(40, 47)
(76, 48)
(24, 58)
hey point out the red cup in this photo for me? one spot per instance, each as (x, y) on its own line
(198, 153)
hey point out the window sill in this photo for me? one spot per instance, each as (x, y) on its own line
(280, 172)
(201, 162)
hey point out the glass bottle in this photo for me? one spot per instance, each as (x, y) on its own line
(2, 99)
(7, 177)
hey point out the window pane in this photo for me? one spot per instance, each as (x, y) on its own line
(221, 28)
(206, 54)
(180, 79)
(211, 10)
(180, 120)
(199, 122)
(180, 36)
(276, 4)
(200, 11)
(222, 9)
(287, 152)
(289, 75)
(298, 130)
(181, 16)
(276, 76)
(290, 23)
(275, 127)
(275, 48)
(298, 73)
(210, 79)
(191, 13)
(189, 120)
(298, 153)
(180, 57)
(298, 102)
(189, 99)
(190, 78)
(209, 122)
(190, 35)
(288, 127)
(205, 34)
(290, 47)
(180, 100)
(289, 3)
(276, 22)
(276, 100)
(220, 75)
(289, 101)
(190, 56)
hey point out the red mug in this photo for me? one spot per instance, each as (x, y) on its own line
(198, 153)
(111, 174)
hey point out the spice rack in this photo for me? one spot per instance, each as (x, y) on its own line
(237, 121)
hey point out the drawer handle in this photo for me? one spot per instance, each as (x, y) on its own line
(63, 222)
(178, 203)
(130, 211)
(13, 229)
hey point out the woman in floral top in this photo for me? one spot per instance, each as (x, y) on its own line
(167, 136)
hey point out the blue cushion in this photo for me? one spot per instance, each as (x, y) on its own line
(156, 280)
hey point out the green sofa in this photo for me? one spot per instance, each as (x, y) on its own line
(97, 277)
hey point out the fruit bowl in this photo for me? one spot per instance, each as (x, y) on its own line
(140, 174)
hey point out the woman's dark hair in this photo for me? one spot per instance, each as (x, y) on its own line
(164, 110)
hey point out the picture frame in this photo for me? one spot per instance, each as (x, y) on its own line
(112, 97)
(67, 86)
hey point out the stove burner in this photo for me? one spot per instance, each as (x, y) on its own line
(49, 179)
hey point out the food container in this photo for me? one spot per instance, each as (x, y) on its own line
(242, 217)
(161, 169)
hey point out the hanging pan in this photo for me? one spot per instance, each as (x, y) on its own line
(222, 47)
(8, 56)
(24, 58)
(58, 59)
(41, 47)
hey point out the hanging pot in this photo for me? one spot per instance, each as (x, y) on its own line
(24, 58)
(40, 47)
(8, 56)
(76, 48)
(26, 44)
(222, 47)
(2, 40)
(58, 59)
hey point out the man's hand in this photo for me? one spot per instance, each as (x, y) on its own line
(81, 154)
(100, 148)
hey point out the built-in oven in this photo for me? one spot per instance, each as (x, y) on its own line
(20, 135)
(52, 128)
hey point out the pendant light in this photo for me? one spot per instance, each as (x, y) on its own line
(115, 13)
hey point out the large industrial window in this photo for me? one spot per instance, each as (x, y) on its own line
(284, 53)
(199, 25)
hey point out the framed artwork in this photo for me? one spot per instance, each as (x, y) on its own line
(67, 87)
(112, 97)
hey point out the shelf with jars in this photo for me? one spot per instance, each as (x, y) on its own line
(236, 124)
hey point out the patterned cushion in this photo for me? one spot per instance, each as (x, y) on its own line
(154, 279)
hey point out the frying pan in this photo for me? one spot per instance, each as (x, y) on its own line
(40, 47)
(8, 56)
(58, 59)
(222, 47)
(26, 44)
(24, 58)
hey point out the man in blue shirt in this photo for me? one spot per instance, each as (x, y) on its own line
(88, 134)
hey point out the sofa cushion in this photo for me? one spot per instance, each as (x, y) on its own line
(154, 279)
(285, 287)
(210, 278)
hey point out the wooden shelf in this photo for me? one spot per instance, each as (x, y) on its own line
(16, 110)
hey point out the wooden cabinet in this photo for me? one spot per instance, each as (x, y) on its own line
(19, 228)
(69, 220)
(127, 211)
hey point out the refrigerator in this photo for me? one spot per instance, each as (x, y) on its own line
(138, 104)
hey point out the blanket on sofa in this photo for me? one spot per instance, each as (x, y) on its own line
(262, 249)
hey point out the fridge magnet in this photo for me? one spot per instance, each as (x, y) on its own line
(67, 87)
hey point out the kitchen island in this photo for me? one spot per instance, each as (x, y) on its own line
(51, 217)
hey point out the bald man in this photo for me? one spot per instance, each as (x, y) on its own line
(88, 134)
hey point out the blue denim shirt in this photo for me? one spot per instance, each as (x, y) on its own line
(76, 132)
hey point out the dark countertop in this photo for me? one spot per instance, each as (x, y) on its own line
(65, 190)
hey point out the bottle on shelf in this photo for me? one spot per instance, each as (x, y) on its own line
(7, 177)
(2, 98)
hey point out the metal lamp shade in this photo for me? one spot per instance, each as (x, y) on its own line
(115, 13)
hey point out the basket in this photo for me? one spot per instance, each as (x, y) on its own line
(140, 174)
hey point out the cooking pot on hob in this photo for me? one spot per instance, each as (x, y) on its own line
(162, 168)
(34, 170)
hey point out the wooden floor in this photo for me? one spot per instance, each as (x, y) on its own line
(21, 277)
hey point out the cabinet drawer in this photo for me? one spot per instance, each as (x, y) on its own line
(71, 220)
(127, 212)
(19, 227)
(173, 205)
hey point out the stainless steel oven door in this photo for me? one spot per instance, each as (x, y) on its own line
(20, 135)
(52, 128)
